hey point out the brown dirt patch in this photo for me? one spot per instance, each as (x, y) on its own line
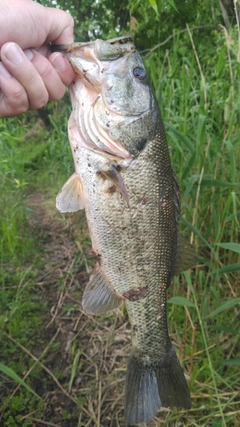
(82, 359)
(86, 372)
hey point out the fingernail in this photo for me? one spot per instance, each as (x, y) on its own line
(59, 62)
(4, 72)
(14, 53)
(28, 54)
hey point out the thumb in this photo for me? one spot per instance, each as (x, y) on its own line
(60, 26)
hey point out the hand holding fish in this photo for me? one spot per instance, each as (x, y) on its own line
(30, 75)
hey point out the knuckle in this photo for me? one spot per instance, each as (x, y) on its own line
(71, 21)
(68, 76)
(41, 101)
(18, 100)
(58, 94)
(17, 109)
(47, 71)
(32, 80)
(24, 108)
(18, 95)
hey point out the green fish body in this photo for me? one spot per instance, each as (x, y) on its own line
(125, 182)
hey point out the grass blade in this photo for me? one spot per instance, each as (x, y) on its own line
(181, 301)
(10, 373)
(195, 231)
(212, 371)
(227, 269)
(235, 247)
(228, 304)
(217, 183)
(230, 362)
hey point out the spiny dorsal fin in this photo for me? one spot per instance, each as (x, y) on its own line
(99, 296)
(71, 196)
(186, 255)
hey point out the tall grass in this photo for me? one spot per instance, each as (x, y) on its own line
(200, 105)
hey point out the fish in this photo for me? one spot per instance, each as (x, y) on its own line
(125, 182)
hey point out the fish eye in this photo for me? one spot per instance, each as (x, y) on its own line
(139, 73)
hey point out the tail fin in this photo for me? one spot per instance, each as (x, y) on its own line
(152, 385)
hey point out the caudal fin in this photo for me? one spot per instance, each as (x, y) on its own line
(151, 385)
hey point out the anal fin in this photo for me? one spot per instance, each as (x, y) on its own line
(99, 296)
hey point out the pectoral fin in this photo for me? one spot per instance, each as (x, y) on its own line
(115, 177)
(99, 296)
(186, 255)
(71, 196)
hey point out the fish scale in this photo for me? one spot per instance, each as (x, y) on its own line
(125, 182)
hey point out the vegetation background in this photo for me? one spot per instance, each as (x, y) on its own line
(59, 367)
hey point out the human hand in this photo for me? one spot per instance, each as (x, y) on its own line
(30, 75)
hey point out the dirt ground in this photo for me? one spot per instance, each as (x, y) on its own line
(91, 356)
(83, 358)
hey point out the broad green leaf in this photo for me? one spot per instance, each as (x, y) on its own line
(154, 5)
(10, 373)
(230, 362)
(227, 269)
(171, 2)
(181, 301)
(235, 247)
(228, 304)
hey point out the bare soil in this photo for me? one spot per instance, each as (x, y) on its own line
(84, 376)
(82, 359)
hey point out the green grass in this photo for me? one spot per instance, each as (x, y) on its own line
(199, 97)
(200, 106)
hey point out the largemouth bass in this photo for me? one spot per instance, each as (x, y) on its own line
(125, 182)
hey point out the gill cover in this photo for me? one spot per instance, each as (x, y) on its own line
(114, 106)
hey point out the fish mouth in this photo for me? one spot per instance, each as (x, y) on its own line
(118, 46)
(91, 59)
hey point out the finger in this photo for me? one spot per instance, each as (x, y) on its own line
(59, 62)
(13, 97)
(19, 65)
(50, 76)
(63, 67)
